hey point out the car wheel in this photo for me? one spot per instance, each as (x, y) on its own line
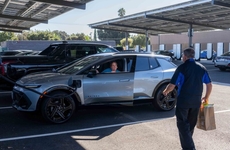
(162, 102)
(59, 108)
(222, 69)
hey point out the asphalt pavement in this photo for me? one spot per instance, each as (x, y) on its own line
(123, 128)
(202, 61)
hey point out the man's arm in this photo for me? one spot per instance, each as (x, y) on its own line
(168, 89)
(208, 92)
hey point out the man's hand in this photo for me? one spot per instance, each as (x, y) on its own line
(168, 89)
(165, 93)
(204, 100)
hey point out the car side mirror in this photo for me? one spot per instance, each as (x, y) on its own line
(92, 73)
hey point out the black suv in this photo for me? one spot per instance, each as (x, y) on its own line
(54, 56)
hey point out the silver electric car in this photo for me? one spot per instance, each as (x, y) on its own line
(223, 62)
(140, 77)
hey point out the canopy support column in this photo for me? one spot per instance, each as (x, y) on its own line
(146, 39)
(190, 34)
(126, 41)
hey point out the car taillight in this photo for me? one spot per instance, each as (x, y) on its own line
(2, 68)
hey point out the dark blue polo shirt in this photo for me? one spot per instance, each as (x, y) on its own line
(189, 78)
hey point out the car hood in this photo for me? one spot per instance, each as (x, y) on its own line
(40, 78)
(223, 57)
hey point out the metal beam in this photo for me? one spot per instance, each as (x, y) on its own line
(183, 21)
(128, 26)
(5, 6)
(64, 3)
(14, 27)
(23, 18)
(40, 10)
(214, 2)
(10, 30)
(118, 30)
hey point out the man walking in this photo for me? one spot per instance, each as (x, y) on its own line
(189, 78)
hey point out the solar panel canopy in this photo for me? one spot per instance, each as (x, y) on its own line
(19, 15)
(201, 15)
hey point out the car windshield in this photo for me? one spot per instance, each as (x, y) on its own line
(226, 54)
(78, 65)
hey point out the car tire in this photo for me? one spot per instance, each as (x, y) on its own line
(162, 102)
(222, 69)
(58, 107)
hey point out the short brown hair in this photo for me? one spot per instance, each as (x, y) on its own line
(189, 52)
(113, 62)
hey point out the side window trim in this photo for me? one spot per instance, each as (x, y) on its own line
(150, 64)
(141, 60)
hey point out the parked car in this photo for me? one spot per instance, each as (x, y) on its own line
(164, 52)
(141, 78)
(54, 56)
(223, 62)
(203, 54)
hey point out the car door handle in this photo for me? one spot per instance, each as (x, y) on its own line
(154, 76)
(124, 80)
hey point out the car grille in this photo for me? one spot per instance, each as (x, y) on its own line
(20, 100)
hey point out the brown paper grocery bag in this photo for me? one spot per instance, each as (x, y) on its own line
(206, 118)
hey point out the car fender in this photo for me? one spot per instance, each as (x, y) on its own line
(71, 91)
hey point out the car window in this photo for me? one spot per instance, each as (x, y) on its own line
(106, 65)
(49, 50)
(142, 64)
(124, 64)
(71, 51)
(80, 64)
(104, 49)
(153, 63)
(84, 50)
(130, 64)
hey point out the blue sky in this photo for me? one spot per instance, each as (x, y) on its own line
(76, 21)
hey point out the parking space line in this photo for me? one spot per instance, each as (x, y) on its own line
(221, 83)
(222, 111)
(90, 129)
(78, 130)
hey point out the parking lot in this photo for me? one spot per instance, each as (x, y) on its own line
(123, 128)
